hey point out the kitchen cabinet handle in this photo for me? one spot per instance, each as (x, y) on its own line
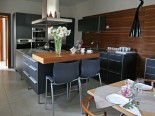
(113, 72)
(26, 64)
(114, 60)
(26, 56)
(32, 60)
(31, 78)
(33, 68)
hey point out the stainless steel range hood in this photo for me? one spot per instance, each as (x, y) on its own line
(51, 21)
(50, 7)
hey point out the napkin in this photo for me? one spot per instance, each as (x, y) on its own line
(143, 86)
(134, 110)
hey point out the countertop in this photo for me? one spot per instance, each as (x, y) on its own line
(31, 51)
(52, 57)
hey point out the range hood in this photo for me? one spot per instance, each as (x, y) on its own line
(51, 14)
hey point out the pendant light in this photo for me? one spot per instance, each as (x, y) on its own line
(135, 31)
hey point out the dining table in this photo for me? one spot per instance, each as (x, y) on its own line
(117, 107)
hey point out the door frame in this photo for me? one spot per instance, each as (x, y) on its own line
(8, 39)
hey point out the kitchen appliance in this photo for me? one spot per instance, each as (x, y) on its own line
(38, 33)
(23, 43)
(36, 43)
(51, 14)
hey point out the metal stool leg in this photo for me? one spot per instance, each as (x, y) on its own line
(67, 92)
(80, 94)
(99, 76)
(70, 88)
(86, 84)
(52, 94)
(46, 96)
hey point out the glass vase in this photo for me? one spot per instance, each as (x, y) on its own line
(58, 44)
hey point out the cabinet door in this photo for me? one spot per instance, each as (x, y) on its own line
(104, 63)
(20, 19)
(115, 66)
(113, 77)
(104, 75)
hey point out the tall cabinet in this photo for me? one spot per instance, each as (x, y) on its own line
(22, 25)
(117, 67)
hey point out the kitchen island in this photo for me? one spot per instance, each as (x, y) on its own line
(36, 64)
(46, 58)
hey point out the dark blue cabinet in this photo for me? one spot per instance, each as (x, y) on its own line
(116, 67)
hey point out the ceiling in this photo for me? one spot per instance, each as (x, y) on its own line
(64, 2)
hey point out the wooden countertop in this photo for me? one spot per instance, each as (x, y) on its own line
(46, 58)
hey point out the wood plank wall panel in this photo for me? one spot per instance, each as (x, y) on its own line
(117, 35)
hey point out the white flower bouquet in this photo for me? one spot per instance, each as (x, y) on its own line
(58, 34)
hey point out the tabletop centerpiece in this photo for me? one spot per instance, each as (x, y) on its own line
(58, 34)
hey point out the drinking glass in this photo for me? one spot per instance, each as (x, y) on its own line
(154, 92)
(140, 80)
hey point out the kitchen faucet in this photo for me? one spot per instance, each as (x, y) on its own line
(92, 43)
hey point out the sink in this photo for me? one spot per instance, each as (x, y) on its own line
(97, 50)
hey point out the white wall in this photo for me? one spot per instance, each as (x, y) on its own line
(92, 7)
(25, 6)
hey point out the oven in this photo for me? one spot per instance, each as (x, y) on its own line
(23, 43)
(38, 33)
(36, 43)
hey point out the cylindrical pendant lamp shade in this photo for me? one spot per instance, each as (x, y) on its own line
(135, 31)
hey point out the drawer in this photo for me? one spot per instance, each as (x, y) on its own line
(115, 66)
(31, 81)
(33, 72)
(113, 77)
(104, 63)
(115, 57)
(150, 62)
(26, 59)
(26, 66)
(34, 63)
(103, 55)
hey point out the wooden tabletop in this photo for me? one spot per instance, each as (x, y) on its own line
(119, 84)
(51, 57)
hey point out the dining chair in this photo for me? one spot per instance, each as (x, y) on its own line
(63, 73)
(86, 107)
(90, 68)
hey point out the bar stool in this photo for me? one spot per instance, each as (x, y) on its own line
(90, 68)
(63, 73)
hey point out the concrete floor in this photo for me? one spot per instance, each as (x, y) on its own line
(17, 100)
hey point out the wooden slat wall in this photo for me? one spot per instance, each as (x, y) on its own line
(117, 35)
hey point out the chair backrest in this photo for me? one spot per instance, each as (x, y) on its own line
(65, 72)
(90, 67)
(86, 108)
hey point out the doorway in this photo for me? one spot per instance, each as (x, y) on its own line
(5, 40)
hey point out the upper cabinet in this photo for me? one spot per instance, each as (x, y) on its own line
(22, 25)
(92, 24)
(26, 19)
